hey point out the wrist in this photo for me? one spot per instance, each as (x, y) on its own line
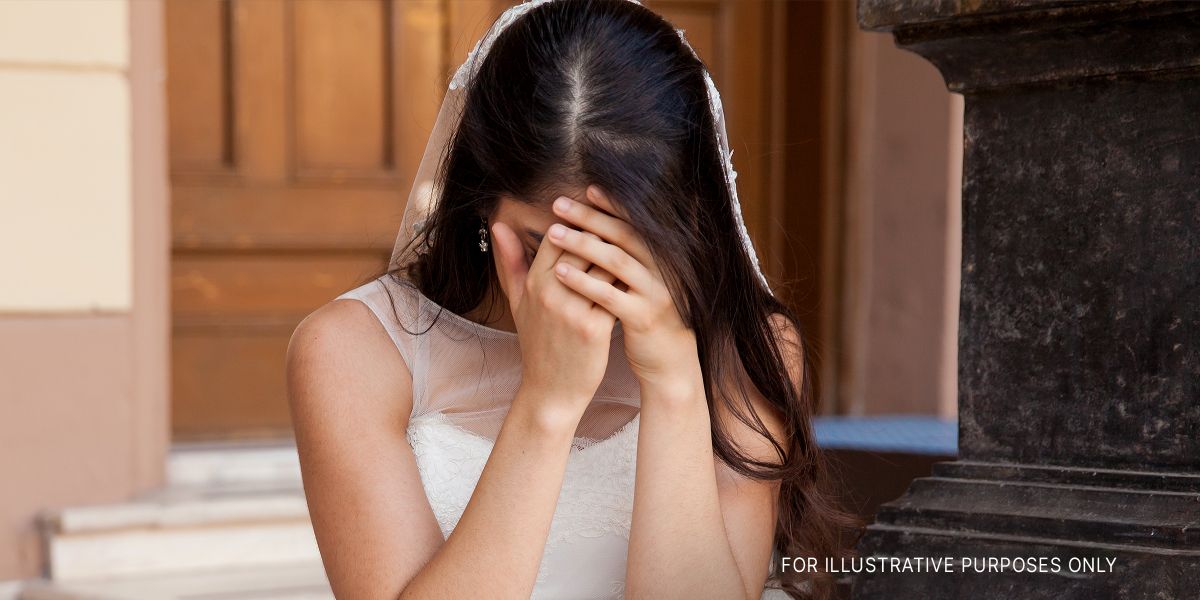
(537, 415)
(681, 389)
(679, 380)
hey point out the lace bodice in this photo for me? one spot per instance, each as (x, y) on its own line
(585, 551)
(464, 377)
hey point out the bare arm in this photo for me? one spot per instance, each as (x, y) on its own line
(699, 529)
(350, 395)
(495, 549)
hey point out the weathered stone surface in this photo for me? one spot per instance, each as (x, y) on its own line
(1079, 340)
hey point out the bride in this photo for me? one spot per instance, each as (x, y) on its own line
(573, 381)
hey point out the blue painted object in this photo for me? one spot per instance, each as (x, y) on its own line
(912, 434)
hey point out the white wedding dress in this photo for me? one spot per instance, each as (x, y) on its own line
(464, 376)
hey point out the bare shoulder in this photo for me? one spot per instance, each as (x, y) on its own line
(791, 346)
(788, 339)
(341, 353)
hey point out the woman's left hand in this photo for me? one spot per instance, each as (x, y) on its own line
(660, 347)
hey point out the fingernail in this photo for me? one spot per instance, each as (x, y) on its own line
(557, 231)
(562, 204)
(561, 269)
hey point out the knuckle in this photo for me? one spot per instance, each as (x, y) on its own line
(646, 322)
(608, 295)
(619, 260)
(593, 331)
(583, 242)
(624, 236)
(580, 327)
(577, 214)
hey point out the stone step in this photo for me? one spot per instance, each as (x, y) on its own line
(228, 507)
(233, 465)
(299, 581)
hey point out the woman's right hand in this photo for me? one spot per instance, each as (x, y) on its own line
(564, 336)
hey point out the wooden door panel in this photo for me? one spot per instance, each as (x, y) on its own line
(198, 85)
(232, 218)
(258, 72)
(341, 67)
(226, 383)
(214, 288)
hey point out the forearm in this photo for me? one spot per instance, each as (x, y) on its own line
(678, 546)
(495, 549)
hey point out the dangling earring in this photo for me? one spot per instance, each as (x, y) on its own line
(483, 242)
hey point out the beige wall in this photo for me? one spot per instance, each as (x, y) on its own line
(83, 306)
(65, 160)
(903, 193)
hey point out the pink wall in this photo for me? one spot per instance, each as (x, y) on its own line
(903, 258)
(65, 422)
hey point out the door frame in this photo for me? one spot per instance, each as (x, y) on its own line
(150, 230)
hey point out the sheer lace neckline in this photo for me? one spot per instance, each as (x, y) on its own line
(469, 323)
(443, 312)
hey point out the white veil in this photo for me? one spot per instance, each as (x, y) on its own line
(446, 357)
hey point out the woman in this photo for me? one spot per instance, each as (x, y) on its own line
(573, 381)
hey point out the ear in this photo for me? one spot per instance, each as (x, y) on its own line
(510, 263)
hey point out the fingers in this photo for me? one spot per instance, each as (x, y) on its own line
(547, 254)
(604, 294)
(543, 283)
(575, 261)
(572, 259)
(608, 256)
(599, 273)
(612, 229)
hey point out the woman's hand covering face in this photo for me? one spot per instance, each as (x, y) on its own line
(564, 336)
(660, 347)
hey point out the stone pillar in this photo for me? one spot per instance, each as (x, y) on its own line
(1079, 342)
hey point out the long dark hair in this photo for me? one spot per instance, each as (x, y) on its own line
(578, 92)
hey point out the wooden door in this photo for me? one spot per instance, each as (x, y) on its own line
(295, 129)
